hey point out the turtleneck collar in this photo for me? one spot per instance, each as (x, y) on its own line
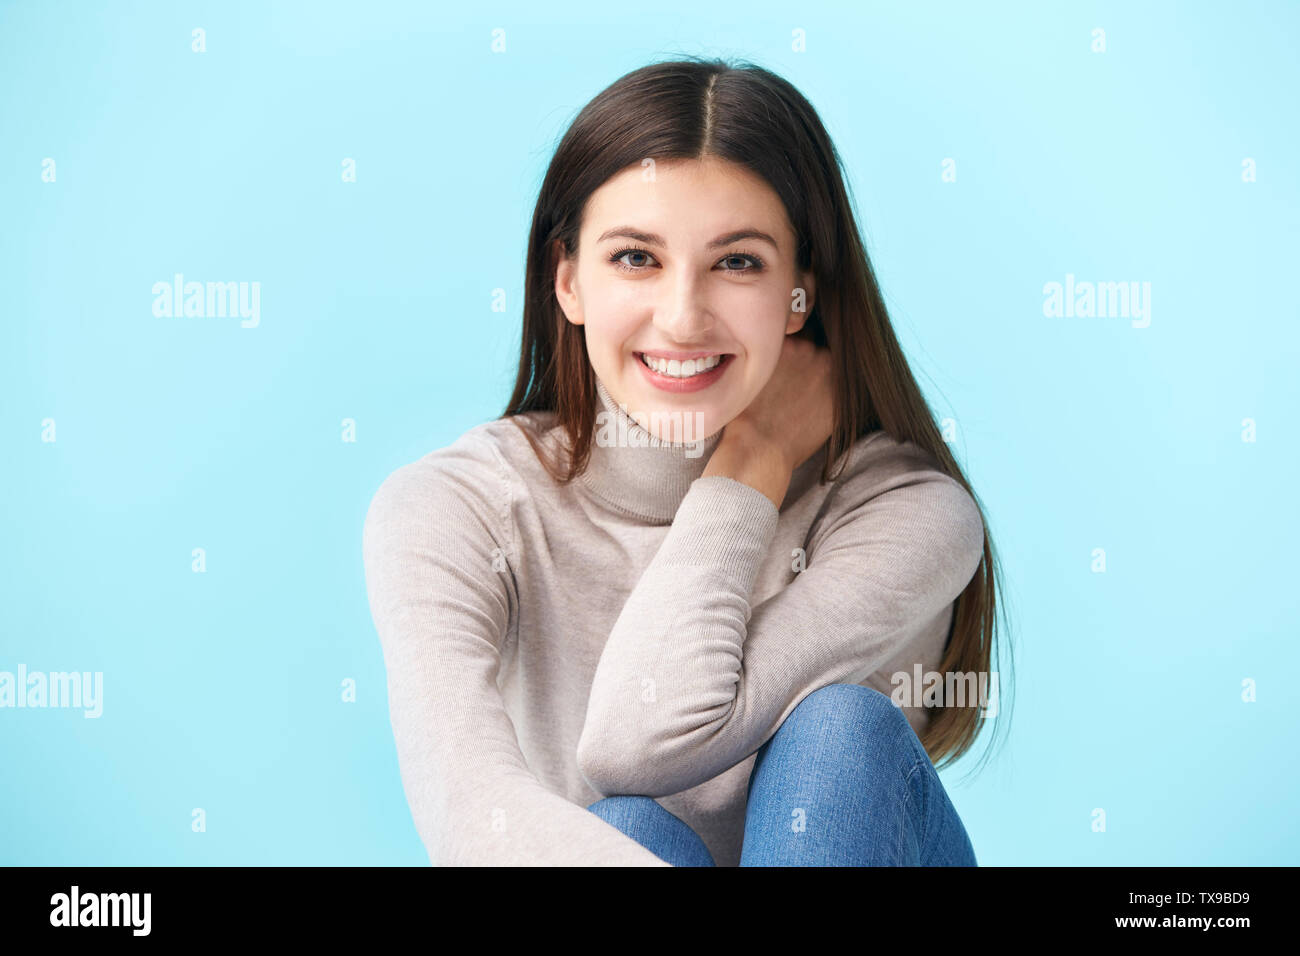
(637, 472)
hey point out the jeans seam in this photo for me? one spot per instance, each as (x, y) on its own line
(907, 797)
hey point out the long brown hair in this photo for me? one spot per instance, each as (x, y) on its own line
(694, 108)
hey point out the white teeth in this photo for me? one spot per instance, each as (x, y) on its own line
(678, 369)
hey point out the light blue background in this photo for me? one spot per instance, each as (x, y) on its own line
(222, 689)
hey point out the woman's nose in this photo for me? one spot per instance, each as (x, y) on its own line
(684, 315)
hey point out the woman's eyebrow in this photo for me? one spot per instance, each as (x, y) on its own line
(654, 239)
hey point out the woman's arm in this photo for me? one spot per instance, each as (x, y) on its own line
(693, 679)
(441, 610)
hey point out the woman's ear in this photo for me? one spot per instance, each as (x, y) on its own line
(801, 303)
(566, 285)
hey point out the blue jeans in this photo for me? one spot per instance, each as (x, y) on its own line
(843, 782)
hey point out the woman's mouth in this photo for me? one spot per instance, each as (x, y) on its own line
(683, 375)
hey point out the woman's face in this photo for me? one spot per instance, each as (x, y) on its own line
(685, 259)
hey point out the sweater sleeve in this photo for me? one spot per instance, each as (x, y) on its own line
(440, 595)
(692, 679)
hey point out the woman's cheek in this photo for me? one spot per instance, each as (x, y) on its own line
(627, 304)
(618, 303)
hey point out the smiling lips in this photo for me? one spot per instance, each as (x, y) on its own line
(681, 368)
(683, 371)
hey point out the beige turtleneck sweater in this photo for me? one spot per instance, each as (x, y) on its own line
(642, 630)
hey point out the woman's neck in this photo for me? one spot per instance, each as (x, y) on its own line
(636, 471)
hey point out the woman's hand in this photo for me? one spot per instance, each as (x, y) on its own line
(796, 408)
(785, 424)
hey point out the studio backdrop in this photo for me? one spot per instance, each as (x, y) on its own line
(256, 256)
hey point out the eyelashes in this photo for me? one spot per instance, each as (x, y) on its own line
(756, 263)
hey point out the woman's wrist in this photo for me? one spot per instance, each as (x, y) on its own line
(746, 456)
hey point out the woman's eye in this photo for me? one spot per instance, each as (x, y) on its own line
(637, 260)
(739, 264)
(634, 253)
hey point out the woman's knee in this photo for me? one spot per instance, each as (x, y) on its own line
(855, 729)
(856, 721)
(851, 704)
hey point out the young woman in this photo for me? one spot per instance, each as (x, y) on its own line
(655, 613)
